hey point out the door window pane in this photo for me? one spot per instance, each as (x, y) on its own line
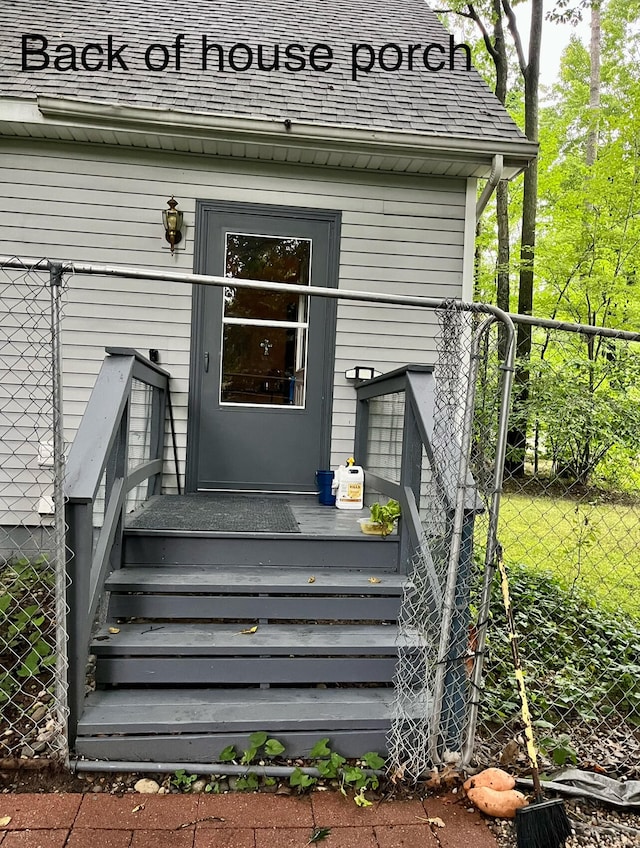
(265, 364)
(259, 366)
(270, 259)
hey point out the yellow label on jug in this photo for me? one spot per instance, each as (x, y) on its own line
(354, 491)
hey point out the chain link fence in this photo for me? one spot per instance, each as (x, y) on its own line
(567, 527)
(32, 552)
(419, 443)
(569, 531)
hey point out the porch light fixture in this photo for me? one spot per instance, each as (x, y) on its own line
(361, 372)
(172, 220)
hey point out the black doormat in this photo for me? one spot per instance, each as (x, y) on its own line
(217, 512)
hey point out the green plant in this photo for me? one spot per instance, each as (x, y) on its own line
(332, 765)
(559, 749)
(258, 740)
(385, 515)
(26, 628)
(228, 754)
(580, 658)
(248, 782)
(182, 781)
(301, 781)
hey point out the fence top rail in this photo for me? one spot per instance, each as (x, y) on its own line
(150, 274)
(569, 327)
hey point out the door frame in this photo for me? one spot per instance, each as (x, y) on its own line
(205, 209)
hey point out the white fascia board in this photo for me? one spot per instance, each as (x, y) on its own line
(134, 120)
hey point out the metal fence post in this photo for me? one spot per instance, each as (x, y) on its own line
(60, 552)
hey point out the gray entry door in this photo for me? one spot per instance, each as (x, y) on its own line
(262, 362)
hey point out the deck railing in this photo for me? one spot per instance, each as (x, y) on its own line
(114, 465)
(394, 441)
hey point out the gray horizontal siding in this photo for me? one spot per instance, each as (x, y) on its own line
(104, 205)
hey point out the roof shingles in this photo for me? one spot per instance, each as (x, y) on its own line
(454, 103)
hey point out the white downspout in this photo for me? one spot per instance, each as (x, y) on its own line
(495, 176)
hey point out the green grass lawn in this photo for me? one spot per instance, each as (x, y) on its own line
(597, 546)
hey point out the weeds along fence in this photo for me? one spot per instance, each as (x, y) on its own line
(569, 530)
(32, 546)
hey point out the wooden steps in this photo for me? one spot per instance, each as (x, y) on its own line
(194, 725)
(250, 593)
(179, 681)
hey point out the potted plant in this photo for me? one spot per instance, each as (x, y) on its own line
(382, 520)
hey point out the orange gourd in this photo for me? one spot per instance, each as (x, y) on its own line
(499, 804)
(494, 778)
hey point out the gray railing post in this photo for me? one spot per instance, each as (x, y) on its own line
(158, 412)
(361, 439)
(101, 448)
(79, 519)
(410, 475)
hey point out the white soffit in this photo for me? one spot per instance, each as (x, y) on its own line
(266, 140)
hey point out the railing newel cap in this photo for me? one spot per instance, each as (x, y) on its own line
(129, 351)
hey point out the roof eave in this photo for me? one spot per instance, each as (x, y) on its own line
(260, 133)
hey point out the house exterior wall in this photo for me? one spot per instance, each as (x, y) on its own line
(401, 235)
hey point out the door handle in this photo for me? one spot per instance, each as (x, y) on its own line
(206, 361)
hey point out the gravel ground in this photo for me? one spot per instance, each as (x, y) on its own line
(593, 825)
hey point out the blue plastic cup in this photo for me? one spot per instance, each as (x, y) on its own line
(324, 480)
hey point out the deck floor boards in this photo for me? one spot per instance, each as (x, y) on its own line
(314, 519)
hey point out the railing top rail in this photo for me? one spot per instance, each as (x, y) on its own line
(98, 429)
(142, 360)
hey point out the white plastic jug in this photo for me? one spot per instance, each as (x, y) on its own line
(349, 486)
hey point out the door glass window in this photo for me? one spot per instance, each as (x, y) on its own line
(264, 339)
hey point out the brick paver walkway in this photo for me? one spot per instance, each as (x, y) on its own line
(234, 821)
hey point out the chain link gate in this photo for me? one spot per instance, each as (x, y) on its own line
(569, 529)
(32, 532)
(437, 685)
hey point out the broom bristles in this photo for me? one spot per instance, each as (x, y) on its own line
(542, 825)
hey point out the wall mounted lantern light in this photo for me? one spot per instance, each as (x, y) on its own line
(172, 220)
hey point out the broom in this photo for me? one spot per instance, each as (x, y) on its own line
(543, 824)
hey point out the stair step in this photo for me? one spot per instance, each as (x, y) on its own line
(214, 654)
(243, 579)
(152, 547)
(188, 725)
(250, 593)
(144, 639)
(234, 710)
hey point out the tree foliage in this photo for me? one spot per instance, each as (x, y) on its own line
(580, 404)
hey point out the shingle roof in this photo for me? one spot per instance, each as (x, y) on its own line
(445, 103)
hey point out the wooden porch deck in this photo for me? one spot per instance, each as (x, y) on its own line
(313, 518)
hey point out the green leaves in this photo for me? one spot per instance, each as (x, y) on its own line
(386, 515)
(300, 780)
(273, 748)
(227, 754)
(320, 749)
(580, 659)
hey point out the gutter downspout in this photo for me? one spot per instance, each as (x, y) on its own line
(497, 170)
